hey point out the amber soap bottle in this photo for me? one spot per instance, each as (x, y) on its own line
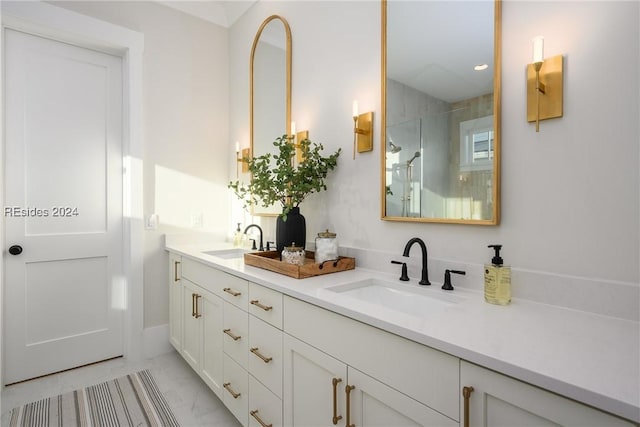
(497, 280)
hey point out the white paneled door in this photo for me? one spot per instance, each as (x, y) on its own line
(64, 292)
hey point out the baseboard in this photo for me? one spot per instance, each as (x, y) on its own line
(155, 341)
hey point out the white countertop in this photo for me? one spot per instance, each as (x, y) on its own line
(590, 358)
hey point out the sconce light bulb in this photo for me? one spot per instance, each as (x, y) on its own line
(538, 49)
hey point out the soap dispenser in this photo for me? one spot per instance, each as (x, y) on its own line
(497, 280)
(237, 237)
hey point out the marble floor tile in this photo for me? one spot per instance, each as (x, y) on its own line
(192, 402)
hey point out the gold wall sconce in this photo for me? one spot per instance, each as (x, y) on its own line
(241, 159)
(544, 85)
(296, 138)
(362, 131)
(246, 154)
(300, 136)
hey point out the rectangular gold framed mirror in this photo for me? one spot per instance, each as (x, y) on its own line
(440, 139)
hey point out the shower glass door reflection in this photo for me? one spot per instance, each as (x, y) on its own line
(404, 169)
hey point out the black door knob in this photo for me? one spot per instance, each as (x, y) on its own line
(15, 250)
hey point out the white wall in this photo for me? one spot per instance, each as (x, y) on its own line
(570, 194)
(186, 96)
(570, 199)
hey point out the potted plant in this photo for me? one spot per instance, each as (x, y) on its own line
(275, 178)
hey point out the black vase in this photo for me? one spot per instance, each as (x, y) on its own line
(293, 230)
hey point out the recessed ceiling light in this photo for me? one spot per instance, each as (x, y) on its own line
(481, 67)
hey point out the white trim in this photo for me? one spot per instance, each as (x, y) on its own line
(71, 27)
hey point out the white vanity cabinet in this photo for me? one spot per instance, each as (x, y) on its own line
(377, 378)
(314, 384)
(202, 342)
(275, 360)
(234, 345)
(191, 330)
(322, 390)
(498, 400)
(265, 356)
(175, 301)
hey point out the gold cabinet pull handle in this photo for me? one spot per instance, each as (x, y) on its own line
(336, 417)
(232, 292)
(231, 334)
(255, 351)
(197, 313)
(347, 390)
(193, 305)
(175, 271)
(227, 386)
(466, 393)
(254, 414)
(262, 306)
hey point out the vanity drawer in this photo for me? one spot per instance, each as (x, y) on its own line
(266, 304)
(235, 333)
(217, 281)
(265, 354)
(235, 394)
(263, 405)
(236, 291)
(425, 374)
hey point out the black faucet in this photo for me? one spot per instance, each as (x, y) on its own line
(447, 286)
(404, 277)
(425, 272)
(254, 243)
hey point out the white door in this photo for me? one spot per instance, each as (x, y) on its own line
(65, 296)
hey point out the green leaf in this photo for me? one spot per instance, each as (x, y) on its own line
(274, 178)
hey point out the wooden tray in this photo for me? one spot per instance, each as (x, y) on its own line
(271, 261)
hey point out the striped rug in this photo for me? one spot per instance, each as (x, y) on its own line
(133, 400)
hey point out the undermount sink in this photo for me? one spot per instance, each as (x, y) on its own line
(404, 298)
(227, 253)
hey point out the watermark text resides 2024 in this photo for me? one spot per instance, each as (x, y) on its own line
(33, 212)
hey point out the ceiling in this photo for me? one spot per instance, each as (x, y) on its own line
(432, 46)
(417, 56)
(223, 13)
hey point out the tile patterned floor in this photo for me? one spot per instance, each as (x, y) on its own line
(193, 403)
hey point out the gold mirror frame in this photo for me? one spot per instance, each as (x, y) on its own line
(252, 112)
(495, 219)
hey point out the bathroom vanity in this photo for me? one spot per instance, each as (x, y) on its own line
(322, 351)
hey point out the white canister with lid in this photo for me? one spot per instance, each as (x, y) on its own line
(326, 247)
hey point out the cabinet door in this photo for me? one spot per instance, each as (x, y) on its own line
(373, 403)
(191, 325)
(498, 400)
(175, 301)
(309, 389)
(211, 309)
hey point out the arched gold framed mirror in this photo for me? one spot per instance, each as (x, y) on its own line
(440, 148)
(270, 91)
